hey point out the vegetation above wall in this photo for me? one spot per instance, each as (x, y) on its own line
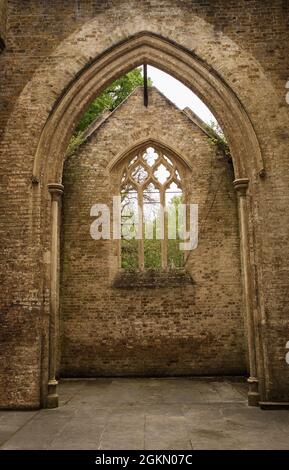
(218, 139)
(112, 97)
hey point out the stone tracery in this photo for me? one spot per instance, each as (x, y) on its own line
(150, 186)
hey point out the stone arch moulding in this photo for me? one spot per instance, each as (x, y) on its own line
(205, 82)
(148, 142)
(154, 50)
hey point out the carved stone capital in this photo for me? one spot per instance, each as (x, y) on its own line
(241, 186)
(56, 190)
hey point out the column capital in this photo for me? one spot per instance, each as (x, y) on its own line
(55, 189)
(241, 185)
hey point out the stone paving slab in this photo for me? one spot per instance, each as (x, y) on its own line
(147, 414)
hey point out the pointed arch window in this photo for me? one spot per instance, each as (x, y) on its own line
(151, 190)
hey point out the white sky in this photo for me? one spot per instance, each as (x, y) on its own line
(179, 94)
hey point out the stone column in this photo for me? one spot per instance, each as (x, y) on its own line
(56, 191)
(241, 186)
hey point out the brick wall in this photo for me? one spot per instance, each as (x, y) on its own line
(186, 324)
(3, 19)
(48, 44)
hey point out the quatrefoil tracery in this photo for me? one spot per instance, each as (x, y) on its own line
(150, 166)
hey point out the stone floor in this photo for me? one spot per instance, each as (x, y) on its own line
(147, 414)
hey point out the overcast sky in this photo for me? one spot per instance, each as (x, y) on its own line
(179, 93)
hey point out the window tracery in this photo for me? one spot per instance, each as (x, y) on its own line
(151, 192)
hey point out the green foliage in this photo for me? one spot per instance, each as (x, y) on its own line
(111, 97)
(152, 254)
(75, 141)
(175, 255)
(152, 247)
(218, 139)
(129, 253)
(100, 104)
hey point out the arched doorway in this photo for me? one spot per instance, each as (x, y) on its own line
(155, 50)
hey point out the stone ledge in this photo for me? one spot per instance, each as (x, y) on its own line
(152, 278)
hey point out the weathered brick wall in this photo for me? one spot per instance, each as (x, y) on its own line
(36, 29)
(195, 328)
(47, 45)
(3, 19)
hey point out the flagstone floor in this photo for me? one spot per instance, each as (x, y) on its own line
(149, 414)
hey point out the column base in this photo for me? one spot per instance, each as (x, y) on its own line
(253, 393)
(253, 399)
(52, 396)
